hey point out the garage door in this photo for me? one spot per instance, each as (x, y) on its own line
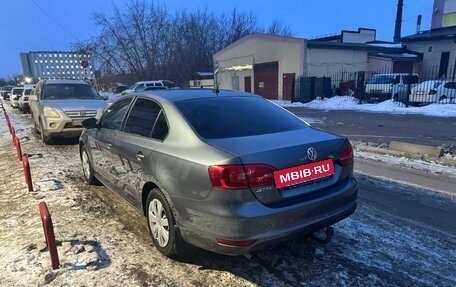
(266, 77)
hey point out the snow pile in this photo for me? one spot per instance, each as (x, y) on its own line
(351, 103)
(334, 103)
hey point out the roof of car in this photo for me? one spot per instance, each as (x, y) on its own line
(187, 94)
(66, 82)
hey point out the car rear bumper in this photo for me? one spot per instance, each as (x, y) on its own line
(265, 226)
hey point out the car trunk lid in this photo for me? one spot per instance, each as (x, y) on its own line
(287, 150)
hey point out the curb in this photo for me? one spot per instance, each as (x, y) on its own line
(409, 152)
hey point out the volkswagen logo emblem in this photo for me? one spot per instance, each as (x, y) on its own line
(312, 153)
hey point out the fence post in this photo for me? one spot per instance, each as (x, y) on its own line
(49, 234)
(27, 174)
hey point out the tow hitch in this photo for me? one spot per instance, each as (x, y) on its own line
(318, 236)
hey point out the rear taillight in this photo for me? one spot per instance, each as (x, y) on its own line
(432, 92)
(241, 176)
(346, 156)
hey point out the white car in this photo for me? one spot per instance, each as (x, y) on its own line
(23, 104)
(446, 93)
(425, 92)
(16, 93)
(139, 86)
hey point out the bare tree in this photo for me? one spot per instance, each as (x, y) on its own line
(144, 41)
(277, 28)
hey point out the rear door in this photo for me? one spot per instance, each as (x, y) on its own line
(145, 127)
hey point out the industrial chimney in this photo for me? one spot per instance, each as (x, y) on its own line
(418, 24)
(397, 28)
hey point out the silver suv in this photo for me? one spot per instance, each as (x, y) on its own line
(59, 106)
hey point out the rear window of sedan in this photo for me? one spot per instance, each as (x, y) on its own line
(214, 118)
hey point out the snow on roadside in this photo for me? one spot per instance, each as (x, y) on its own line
(351, 103)
(409, 163)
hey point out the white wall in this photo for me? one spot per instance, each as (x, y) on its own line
(237, 59)
(362, 36)
(326, 62)
(431, 61)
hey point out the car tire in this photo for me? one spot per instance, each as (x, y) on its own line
(35, 128)
(87, 169)
(165, 235)
(44, 138)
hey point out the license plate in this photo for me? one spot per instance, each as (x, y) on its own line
(77, 123)
(303, 173)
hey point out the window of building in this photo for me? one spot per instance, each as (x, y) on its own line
(449, 19)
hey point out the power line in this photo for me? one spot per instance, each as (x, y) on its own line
(57, 22)
(68, 14)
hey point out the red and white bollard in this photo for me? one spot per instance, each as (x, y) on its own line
(49, 234)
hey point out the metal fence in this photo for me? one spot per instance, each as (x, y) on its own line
(429, 86)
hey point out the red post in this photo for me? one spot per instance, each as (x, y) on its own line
(13, 134)
(49, 234)
(27, 174)
(17, 143)
(8, 122)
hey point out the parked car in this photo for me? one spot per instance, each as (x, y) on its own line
(16, 93)
(425, 92)
(59, 106)
(154, 88)
(23, 104)
(395, 86)
(6, 91)
(139, 86)
(229, 172)
(446, 93)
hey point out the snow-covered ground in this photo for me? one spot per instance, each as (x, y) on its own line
(104, 242)
(351, 103)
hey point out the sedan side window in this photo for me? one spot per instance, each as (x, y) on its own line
(142, 117)
(161, 128)
(114, 116)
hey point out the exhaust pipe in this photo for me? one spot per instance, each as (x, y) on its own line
(329, 233)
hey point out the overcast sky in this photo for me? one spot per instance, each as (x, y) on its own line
(43, 25)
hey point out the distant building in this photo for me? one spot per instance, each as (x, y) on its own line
(443, 14)
(269, 65)
(202, 80)
(57, 65)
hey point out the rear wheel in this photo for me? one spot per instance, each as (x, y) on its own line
(161, 223)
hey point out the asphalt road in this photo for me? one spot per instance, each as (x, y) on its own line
(419, 196)
(383, 128)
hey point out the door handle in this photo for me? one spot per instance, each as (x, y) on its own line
(139, 156)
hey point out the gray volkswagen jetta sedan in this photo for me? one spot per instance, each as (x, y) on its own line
(228, 172)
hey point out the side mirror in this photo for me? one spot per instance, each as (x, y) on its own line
(90, 123)
(33, 98)
(104, 97)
